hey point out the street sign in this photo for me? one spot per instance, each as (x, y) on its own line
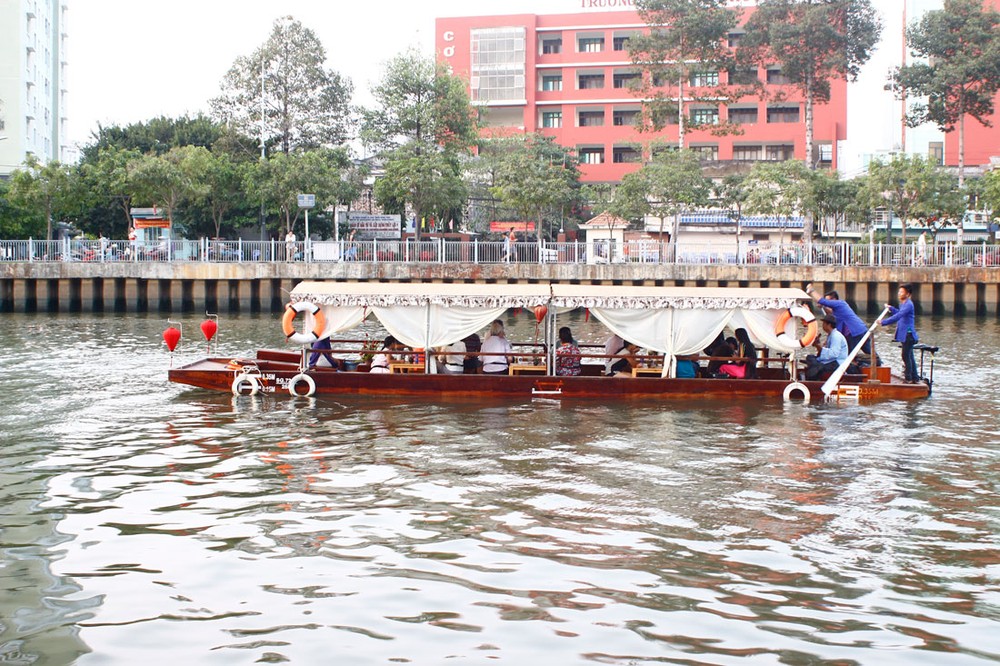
(306, 200)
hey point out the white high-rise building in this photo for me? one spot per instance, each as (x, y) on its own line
(32, 82)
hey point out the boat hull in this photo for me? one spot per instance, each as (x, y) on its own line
(275, 370)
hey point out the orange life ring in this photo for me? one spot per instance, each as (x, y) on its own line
(288, 322)
(806, 316)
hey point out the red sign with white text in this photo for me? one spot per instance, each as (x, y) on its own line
(504, 227)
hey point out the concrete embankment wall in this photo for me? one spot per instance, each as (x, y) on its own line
(198, 287)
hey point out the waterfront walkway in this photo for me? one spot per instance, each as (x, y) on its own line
(193, 276)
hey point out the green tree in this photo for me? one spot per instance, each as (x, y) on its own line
(304, 104)
(155, 136)
(814, 42)
(430, 181)
(907, 185)
(990, 191)
(778, 189)
(687, 38)
(832, 199)
(535, 177)
(670, 184)
(279, 180)
(48, 188)
(17, 220)
(959, 74)
(422, 112)
(419, 101)
(162, 181)
(106, 177)
(730, 194)
(218, 185)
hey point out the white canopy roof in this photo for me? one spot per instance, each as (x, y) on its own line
(529, 295)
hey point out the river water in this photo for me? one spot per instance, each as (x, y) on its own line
(142, 522)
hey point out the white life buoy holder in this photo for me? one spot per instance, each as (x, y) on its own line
(803, 314)
(288, 323)
(245, 382)
(302, 377)
(792, 388)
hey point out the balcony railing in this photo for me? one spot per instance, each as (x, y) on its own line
(438, 250)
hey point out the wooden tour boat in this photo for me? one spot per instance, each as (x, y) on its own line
(669, 322)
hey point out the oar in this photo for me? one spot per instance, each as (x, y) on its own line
(831, 383)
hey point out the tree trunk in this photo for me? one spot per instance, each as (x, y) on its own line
(809, 122)
(680, 110)
(961, 150)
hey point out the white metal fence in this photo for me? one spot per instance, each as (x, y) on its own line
(440, 250)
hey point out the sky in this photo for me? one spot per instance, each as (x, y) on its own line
(133, 60)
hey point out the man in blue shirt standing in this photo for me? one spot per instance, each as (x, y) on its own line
(906, 331)
(831, 354)
(848, 323)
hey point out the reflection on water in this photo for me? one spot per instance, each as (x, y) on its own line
(140, 517)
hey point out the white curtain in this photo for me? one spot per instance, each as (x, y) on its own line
(668, 331)
(760, 326)
(448, 324)
(338, 318)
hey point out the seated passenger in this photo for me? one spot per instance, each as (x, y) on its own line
(381, 360)
(612, 346)
(451, 358)
(724, 349)
(626, 360)
(747, 367)
(472, 345)
(831, 354)
(567, 354)
(687, 368)
(318, 347)
(498, 353)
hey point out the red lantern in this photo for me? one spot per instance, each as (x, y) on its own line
(540, 312)
(171, 336)
(209, 328)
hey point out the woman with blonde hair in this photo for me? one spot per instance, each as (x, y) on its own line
(497, 352)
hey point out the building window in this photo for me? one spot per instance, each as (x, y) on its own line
(625, 79)
(551, 45)
(625, 155)
(625, 118)
(779, 153)
(783, 114)
(734, 38)
(935, 151)
(743, 116)
(705, 116)
(591, 118)
(590, 44)
(742, 76)
(700, 79)
(591, 155)
(551, 119)
(777, 78)
(746, 153)
(824, 154)
(620, 43)
(708, 152)
(498, 64)
(590, 81)
(551, 82)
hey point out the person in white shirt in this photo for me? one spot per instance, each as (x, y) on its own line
(612, 346)
(497, 352)
(290, 245)
(831, 354)
(451, 359)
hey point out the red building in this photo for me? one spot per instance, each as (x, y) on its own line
(568, 76)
